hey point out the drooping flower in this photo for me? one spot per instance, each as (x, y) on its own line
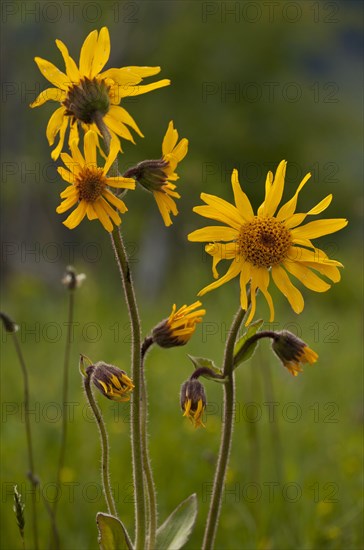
(269, 242)
(179, 327)
(156, 175)
(84, 92)
(89, 185)
(193, 401)
(111, 381)
(292, 351)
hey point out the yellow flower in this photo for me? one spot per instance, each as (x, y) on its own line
(156, 175)
(111, 381)
(193, 401)
(84, 92)
(89, 185)
(179, 327)
(292, 351)
(268, 242)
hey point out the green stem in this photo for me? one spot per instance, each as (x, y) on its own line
(104, 446)
(226, 435)
(148, 472)
(137, 395)
(65, 394)
(31, 474)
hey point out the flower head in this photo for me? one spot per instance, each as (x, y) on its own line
(269, 242)
(292, 351)
(84, 92)
(112, 382)
(156, 175)
(193, 401)
(179, 327)
(89, 186)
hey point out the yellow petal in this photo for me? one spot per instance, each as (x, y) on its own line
(316, 256)
(259, 279)
(180, 151)
(77, 216)
(66, 204)
(50, 94)
(288, 209)
(54, 124)
(213, 233)
(71, 68)
(70, 190)
(319, 228)
(144, 72)
(102, 52)
(110, 211)
(292, 293)
(90, 141)
(121, 183)
(115, 201)
(230, 212)
(170, 139)
(118, 127)
(163, 208)
(51, 73)
(244, 279)
(119, 113)
(76, 154)
(233, 271)
(69, 177)
(124, 77)
(241, 200)
(221, 251)
(329, 271)
(275, 192)
(91, 214)
(113, 153)
(143, 88)
(71, 164)
(306, 276)
(87, 54)
(102, 215)
(56, 152)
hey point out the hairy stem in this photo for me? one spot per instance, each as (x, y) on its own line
(104, 446)
(226, 435)
(31, 473)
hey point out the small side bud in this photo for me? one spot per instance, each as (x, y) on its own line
(292, 351)
(179, 327)
(111, 381)
(18, 509)
(8, 323)
(193, 401)
(71, 280)
(150, 174)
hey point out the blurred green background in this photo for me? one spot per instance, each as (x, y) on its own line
(252, 83)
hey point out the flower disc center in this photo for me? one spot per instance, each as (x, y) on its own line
(264, 241)
(90, 184)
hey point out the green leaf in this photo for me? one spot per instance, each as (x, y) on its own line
(112, 533)
(203, 362)
(240, 355)
(174, 532)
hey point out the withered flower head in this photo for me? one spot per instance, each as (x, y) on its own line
(193, 401)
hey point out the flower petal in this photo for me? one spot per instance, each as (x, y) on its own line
(275, 191)
(221, 251)
(51, 73)
(213, 233)
(91, 214)
(69, 177)
(315, 256)
(228, 210)
(259, 279)
(102, 215)
(121, 183)
(119, 113)
(241, 200)
(50, 94)
(66, 204)
(115, 201)
(212, 213)
(87, 54)
(319, 228)
(245, 276)
(102, 52)
(90, 142)
(71, 68)
(288, 209)
(170, 139)
(77, 216)
(54, 124)
(284, 284)
(234, 270)
(110, 211)
(56, 152)
(143, 88)
(306, 276)
(118, 127)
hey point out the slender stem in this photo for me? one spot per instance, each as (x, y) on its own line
(65, 394)
(137, 395)
(226, 435)
(31, 474)
(148, 472)
(104, 446)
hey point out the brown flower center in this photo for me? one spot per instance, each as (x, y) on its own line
(87, 98)
(264, 241)
(90, 184)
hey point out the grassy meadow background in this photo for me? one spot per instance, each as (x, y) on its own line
(252, 83)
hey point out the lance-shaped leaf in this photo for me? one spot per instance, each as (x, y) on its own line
(112, 533)
(242, 350)
(174, 532)
(208, 364)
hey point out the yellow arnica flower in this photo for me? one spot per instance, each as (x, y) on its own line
(269, 242)
(111, 381)
(156, 175)
(89, 185)
(84, 92)
(179, 327)
(292, 351)
(193, 401)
